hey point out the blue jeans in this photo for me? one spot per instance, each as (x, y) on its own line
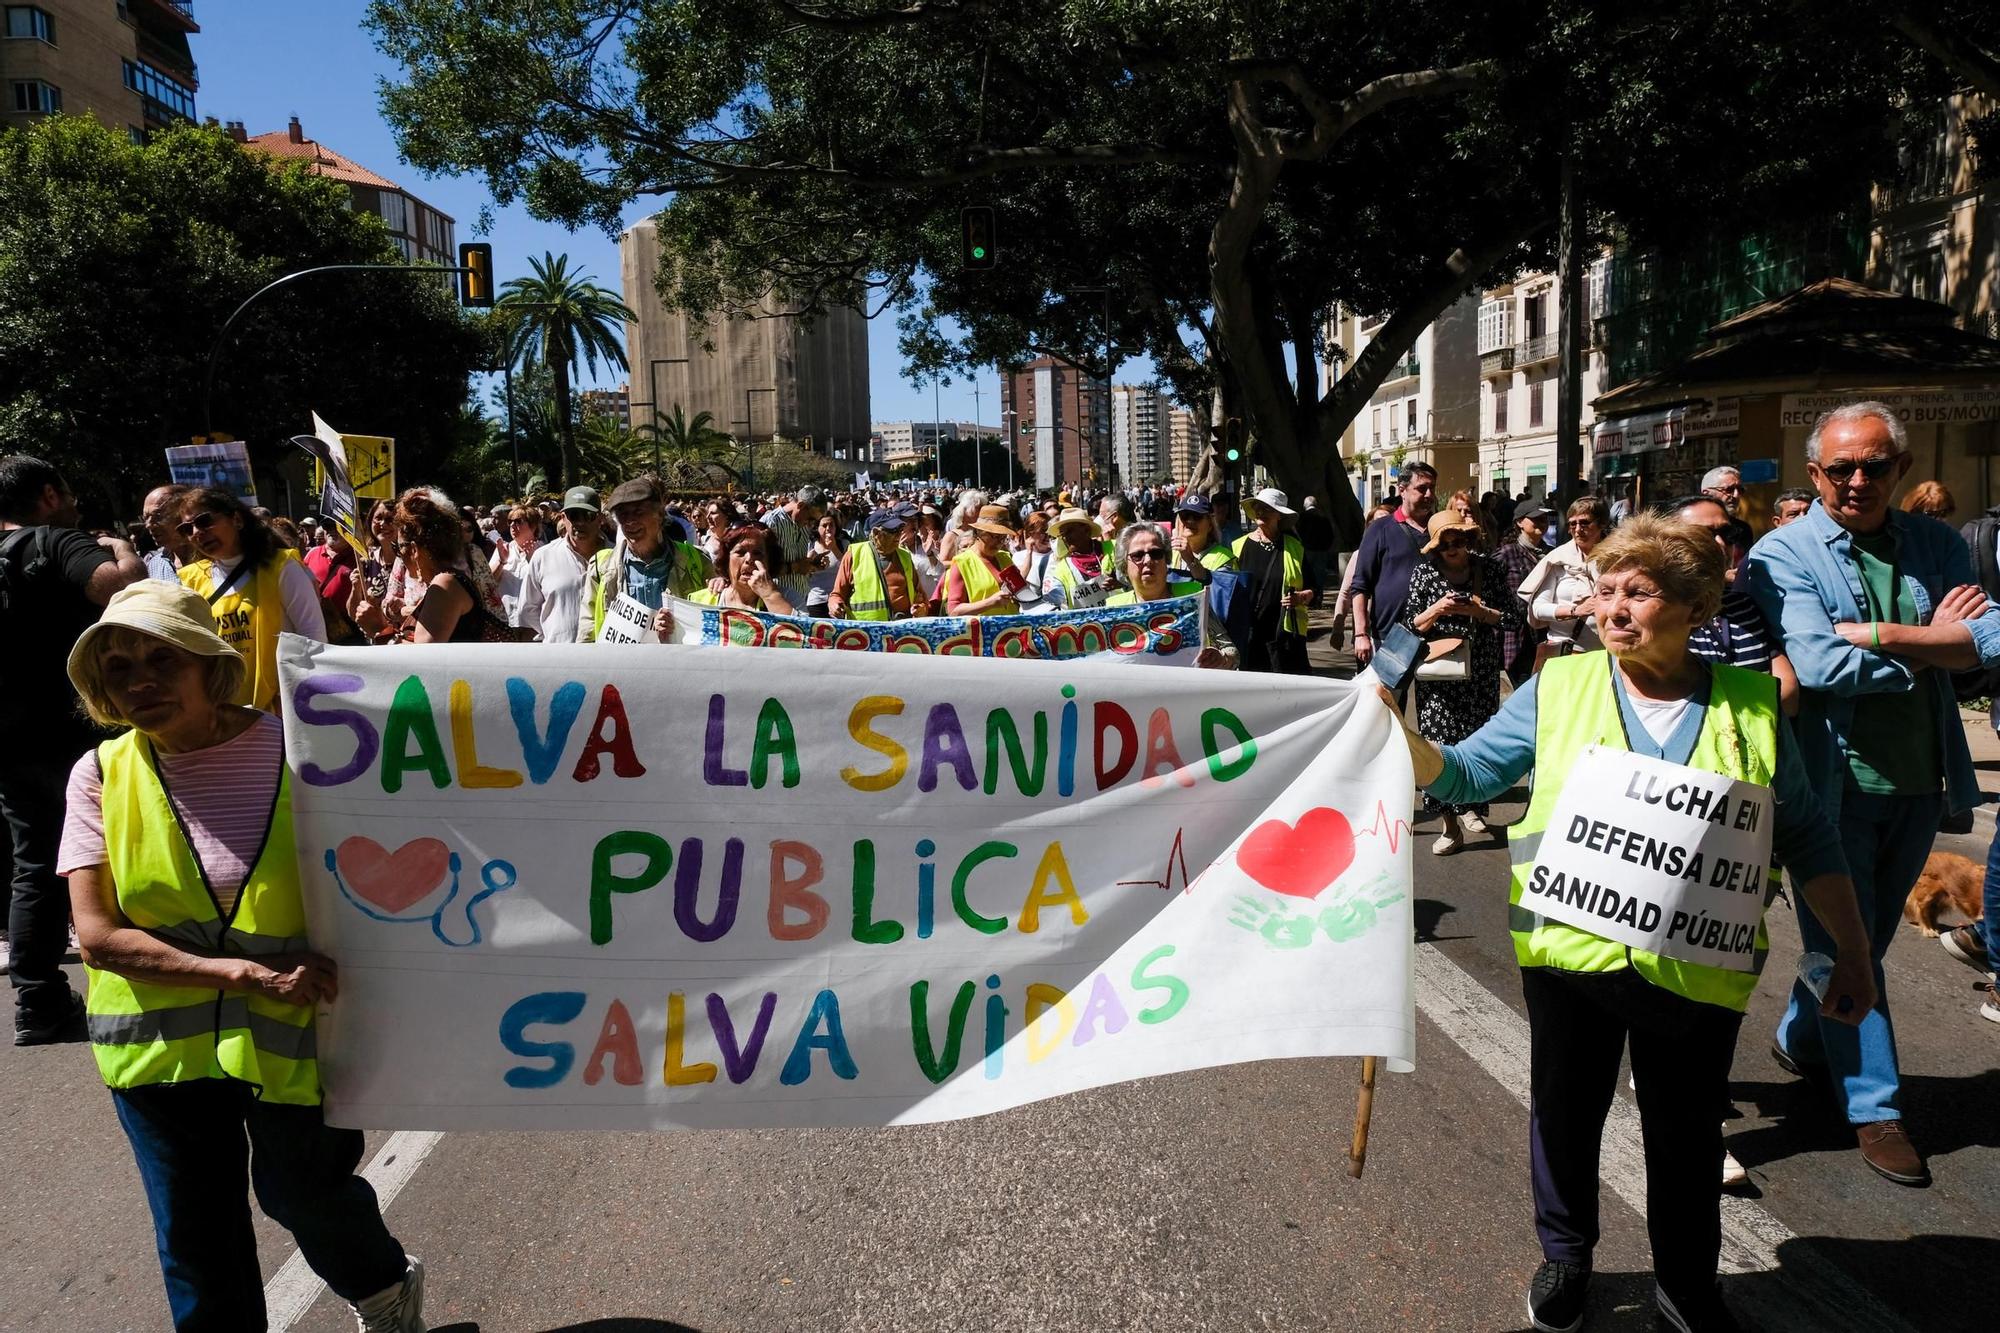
(1992, 922)
(191, 1146)
(1885, 840)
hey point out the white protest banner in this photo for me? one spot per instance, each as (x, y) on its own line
(1162, 633)
(1665, 858)
(225, 464)
(628, 620)
(698, 887)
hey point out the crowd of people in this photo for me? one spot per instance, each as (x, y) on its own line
(1829, 648)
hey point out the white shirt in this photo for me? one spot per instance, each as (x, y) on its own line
(1659, 716)
(510, 575)
(552, 592)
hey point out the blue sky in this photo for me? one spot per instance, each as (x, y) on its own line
(264, 61)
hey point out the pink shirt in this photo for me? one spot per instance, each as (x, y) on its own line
(223, 796)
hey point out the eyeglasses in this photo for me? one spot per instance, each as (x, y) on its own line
(1149, 554)
(1454, 544)
(201, 522)
(1578, 523)
(580, 516)
(1843, 472)
(1736, 489)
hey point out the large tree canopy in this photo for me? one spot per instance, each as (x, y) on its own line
(1230, 172)
(119, 264)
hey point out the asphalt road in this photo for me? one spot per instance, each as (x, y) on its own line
(1210, 1201)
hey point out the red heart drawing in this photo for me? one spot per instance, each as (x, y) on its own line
(392, 880)
(1299, 860)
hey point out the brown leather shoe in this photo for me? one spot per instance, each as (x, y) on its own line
(1886, 1147)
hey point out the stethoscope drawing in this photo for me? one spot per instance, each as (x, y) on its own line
(497, 876)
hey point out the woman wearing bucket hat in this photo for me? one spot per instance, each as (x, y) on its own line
(982, 581)
(1273, 563)
(184, 882)
(1459, 603)
(1079, 574)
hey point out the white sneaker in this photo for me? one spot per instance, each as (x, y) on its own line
(397, 1309)
(1445, 845)
(1472, 824)
(1990, 1011)
(1733, 1173)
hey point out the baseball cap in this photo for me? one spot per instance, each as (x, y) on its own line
(1530, 507)
(1194, 502)
(887, 518)
(581, 497)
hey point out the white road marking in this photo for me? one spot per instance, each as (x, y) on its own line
(1818, 1295)
(289, 1294)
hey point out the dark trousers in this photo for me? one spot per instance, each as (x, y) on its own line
(193, 1142)
(33, 777)
(1579, 1024)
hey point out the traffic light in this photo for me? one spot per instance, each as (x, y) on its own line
(1233, 441)
(475, 285)
(976, 226)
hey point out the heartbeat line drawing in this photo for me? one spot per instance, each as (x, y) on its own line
(1386, 827)
(1176, 860)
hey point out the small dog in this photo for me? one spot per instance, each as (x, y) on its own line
(1949, 881)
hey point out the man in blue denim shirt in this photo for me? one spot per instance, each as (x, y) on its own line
(1876, 607)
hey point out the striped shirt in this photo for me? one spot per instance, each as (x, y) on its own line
(1737, 635)
(223, 796)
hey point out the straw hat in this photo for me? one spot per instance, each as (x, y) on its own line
(172, 612)
(1075, 515)
(994, 519)
(1448, 520)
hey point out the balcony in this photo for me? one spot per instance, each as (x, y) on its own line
(1408, 367)
(178, 14)
(170, 59)
(1539, 348)
(1498, 361)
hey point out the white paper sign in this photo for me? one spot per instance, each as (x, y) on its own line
(1665, 858)
(628, 620)
(705, 887)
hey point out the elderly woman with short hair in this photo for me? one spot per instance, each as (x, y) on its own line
(1143, 553)
(1589, 995)
(184, 883)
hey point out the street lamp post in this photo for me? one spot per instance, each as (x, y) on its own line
(1007, 417)
(750, 439)
(653, 387)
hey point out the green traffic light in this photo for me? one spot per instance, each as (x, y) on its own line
(1235, 454)
(979, 252)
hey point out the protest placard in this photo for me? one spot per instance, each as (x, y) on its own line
(699, 887)
(336, 487)
(1665, 858)
(628, 620)
(224, 464)
(1162, 633)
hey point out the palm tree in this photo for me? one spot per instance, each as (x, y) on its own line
(559, 317)
(691, 441)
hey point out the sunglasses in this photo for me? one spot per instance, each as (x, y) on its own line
(201, 522)
(1577, 523)
(1843, 472)
(580, 515)
(1146, 555)
(1454, 544)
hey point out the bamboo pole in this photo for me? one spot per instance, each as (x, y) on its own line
(1364, 1107)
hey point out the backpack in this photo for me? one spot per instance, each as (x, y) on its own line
(1981, 682)
(24, 555)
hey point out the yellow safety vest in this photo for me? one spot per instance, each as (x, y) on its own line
(1294, 553)
(250, 616)
(981, 583)
(1575, 706)
(1130, 596)
(1213, 558)
(142, 1033)
(606, 580)
(871, 595)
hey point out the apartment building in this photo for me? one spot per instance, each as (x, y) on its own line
(424, 234)
(1425, 410)
(614, 403)
(1184, 444)
(772, 376)
(1061, 421)
(1519, 380)
(1139, 433)
(126, 62)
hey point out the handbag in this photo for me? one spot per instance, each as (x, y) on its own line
(1447, 659)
